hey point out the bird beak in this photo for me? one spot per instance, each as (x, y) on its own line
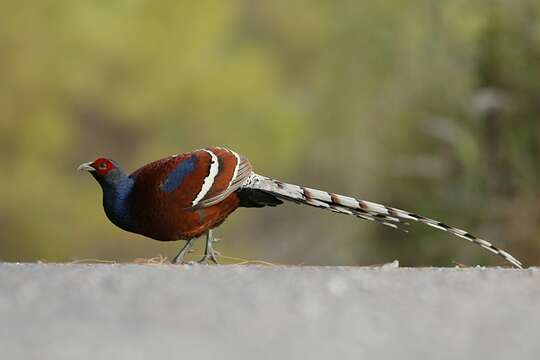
(86, 167)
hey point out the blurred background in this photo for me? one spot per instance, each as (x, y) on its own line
(428, 105)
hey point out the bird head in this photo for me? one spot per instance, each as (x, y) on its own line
(105, 171)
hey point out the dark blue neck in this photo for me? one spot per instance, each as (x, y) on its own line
(117, 200)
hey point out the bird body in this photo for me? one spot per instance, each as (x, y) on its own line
(174, 198)
(182, 197)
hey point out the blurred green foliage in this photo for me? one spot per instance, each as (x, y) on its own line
(428, 105)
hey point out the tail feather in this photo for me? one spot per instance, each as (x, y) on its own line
(363, 209)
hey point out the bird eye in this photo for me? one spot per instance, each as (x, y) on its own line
(102, 166)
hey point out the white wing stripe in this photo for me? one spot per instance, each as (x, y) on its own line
(235, 173)
(209, 179)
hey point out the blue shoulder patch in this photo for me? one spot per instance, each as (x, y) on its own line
(175, 178)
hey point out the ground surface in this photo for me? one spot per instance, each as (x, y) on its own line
(247, 312)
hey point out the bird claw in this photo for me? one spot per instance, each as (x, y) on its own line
(180, 261)
(211, 256)
(187, 249)
(203, 261)
(208, 258)
(177, 260)
(209, 253)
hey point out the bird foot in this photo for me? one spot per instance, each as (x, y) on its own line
(187, 249)
(179, 259)
(211, 256)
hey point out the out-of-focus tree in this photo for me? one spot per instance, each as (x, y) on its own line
(432, 106)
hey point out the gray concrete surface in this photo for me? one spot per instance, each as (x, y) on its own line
(247, 312)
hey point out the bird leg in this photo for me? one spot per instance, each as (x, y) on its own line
(179, 259)
(209, 252)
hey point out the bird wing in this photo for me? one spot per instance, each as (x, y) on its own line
(198, 179)
(229, 174)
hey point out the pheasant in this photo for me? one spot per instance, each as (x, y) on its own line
(182, 197)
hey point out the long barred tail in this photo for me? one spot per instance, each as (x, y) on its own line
(367, 210)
